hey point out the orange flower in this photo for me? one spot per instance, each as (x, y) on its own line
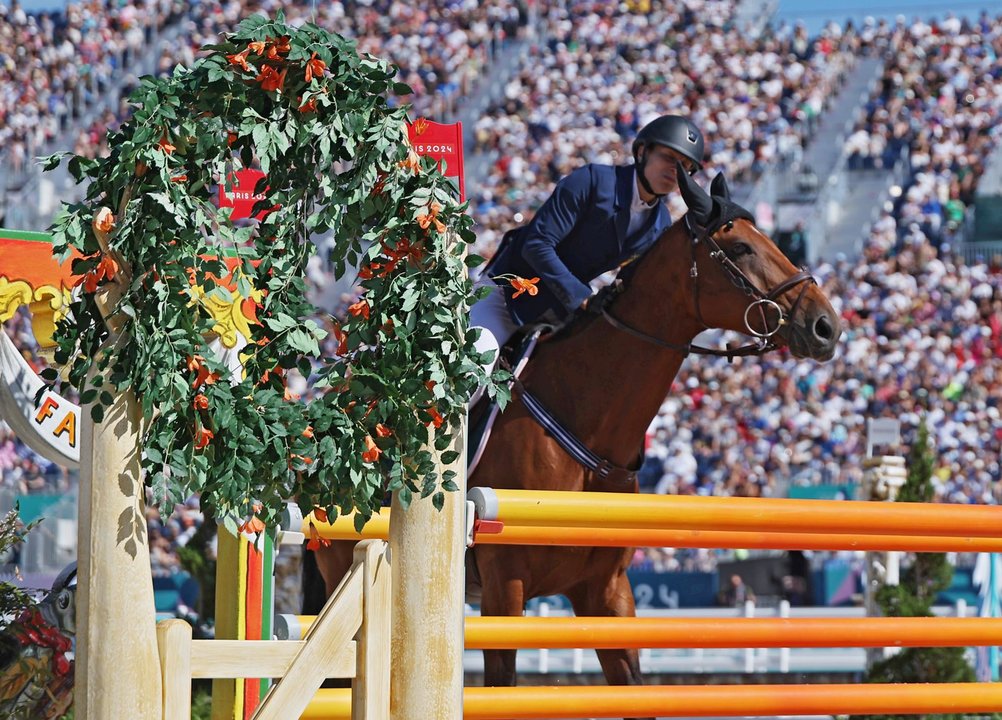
(308, 106)
(165, 145)
(308, 432)
(104, 220)
(289, 396)
(366, 272)
(522, 285)
(271, 79)
(257, 47)
(342, 340)
(412, 163)
(360, 308)
(316, 542)
(197, 365)
(383, 431)
(231, 137)
(306, 460)
(201, 402)
(278, 47)
(106, 269)
(436, 417)
(320, 514)
(202, 438)
(432, 217)
(420, 125)
(240, 60)
(372, 452)
(253, 525)
(179, 178)
(315, 67)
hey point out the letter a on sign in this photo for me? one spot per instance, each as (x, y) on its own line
(442, 142)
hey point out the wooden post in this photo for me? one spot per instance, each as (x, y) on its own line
(174, 637)
(117, 661)
(427, 553)
(231, 587)
(371, 686)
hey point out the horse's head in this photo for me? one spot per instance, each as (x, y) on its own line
(741, 281)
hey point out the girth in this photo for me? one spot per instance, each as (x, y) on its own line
(572, 445)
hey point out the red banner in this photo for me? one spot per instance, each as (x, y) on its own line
(242, 197)
(442, 142)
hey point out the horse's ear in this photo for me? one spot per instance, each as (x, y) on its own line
(718, 188)
(699, 203)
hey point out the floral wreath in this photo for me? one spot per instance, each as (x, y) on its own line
(160, 259)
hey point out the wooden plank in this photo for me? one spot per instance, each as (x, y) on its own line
(260, 658)
(228, 580)
(335, 627)
(252, 620)
(371, 687)
(174, 645)
(267, 603)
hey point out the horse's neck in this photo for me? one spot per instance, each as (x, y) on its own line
(607, 385)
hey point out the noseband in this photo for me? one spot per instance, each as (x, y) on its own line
(762, 303)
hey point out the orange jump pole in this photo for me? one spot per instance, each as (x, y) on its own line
(519, 633)
(630, 510)
(343, 528)
(647, 537)
(703, 701)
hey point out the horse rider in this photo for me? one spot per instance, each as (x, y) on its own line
(597, 218)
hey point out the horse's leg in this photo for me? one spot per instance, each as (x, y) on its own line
(331, 563)
(615, 598)
(502, 595)
(334, 562)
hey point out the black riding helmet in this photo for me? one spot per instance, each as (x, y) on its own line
(672, 131)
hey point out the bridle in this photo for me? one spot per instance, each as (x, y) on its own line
(762, 303)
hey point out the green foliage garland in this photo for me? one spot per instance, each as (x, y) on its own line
(301, 105)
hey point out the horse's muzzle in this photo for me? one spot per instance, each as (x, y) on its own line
(818, 336)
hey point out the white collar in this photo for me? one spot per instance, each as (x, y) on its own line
(637, 205)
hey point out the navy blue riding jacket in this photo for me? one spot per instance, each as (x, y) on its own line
(578, 234)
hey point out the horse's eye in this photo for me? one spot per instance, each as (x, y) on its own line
(740, 249)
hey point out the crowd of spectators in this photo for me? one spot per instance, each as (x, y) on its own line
(922, 325)
(606, 69)
(937, 106)
(54, 65)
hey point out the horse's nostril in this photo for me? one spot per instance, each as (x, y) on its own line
(823, 328)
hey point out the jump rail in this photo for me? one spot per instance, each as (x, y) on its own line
(343, 528)
(569, 633)
(634, 511)
(703, 701)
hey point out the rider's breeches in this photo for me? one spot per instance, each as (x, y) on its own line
(496, 326)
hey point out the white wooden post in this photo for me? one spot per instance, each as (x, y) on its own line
(427, 554)
(117, 659)
(784, 653)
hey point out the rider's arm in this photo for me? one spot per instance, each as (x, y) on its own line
(552, 223)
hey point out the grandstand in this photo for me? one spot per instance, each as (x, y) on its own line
(875, 147)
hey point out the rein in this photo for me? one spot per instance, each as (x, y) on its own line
(762, 302)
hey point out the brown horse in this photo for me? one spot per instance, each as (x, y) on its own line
(603, 379)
